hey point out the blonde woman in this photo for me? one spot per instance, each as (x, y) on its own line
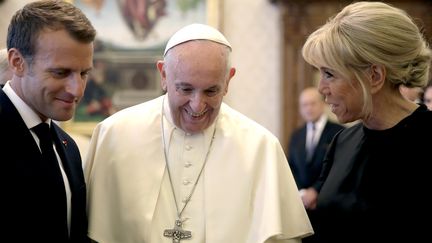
(374, 175)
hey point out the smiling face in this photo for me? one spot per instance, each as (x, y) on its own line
(344, 96)
(196, 77)
(53, 82)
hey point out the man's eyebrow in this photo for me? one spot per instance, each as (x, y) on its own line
(183, 84)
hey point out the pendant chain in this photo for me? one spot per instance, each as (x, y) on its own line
(179, 213)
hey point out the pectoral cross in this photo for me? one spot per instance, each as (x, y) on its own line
(177, 233)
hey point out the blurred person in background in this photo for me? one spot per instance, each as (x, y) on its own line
(307, 147)
(413, 94)
(427, 96)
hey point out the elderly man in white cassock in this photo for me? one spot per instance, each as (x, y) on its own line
(187, 168)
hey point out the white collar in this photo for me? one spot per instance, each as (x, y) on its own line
(319, 124)
(29, 116)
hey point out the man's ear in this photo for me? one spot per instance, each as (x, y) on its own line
(231, 74)
(377, 77)
(161, 67)
(16, 62)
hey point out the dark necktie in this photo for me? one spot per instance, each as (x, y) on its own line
(311, 146)
(55, 184)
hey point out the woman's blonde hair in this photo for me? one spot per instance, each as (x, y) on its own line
(371, 33)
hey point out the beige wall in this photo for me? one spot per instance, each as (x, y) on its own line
(7, 9)
(252, 27)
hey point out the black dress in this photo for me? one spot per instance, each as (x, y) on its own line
(375, 184)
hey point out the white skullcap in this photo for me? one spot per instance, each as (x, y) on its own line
(196, 32)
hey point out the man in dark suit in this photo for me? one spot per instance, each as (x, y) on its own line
(50, 52)
(308, 145)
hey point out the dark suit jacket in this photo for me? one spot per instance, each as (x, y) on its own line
(307, 172)
(27, 213)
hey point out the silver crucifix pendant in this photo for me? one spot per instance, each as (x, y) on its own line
(177, 233)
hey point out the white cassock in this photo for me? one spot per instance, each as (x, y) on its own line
(246, 193)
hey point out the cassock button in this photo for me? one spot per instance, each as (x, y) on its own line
(188, 164)
(186, 182)
(188, 147)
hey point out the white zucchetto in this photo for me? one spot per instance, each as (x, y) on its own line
(196, 32)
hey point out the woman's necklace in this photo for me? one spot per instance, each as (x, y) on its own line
(177, 233)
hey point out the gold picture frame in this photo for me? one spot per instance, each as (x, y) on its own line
(128, 67)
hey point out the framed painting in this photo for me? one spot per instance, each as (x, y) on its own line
(131, 37)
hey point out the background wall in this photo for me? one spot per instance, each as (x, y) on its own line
(7, 9)
(253, 28)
